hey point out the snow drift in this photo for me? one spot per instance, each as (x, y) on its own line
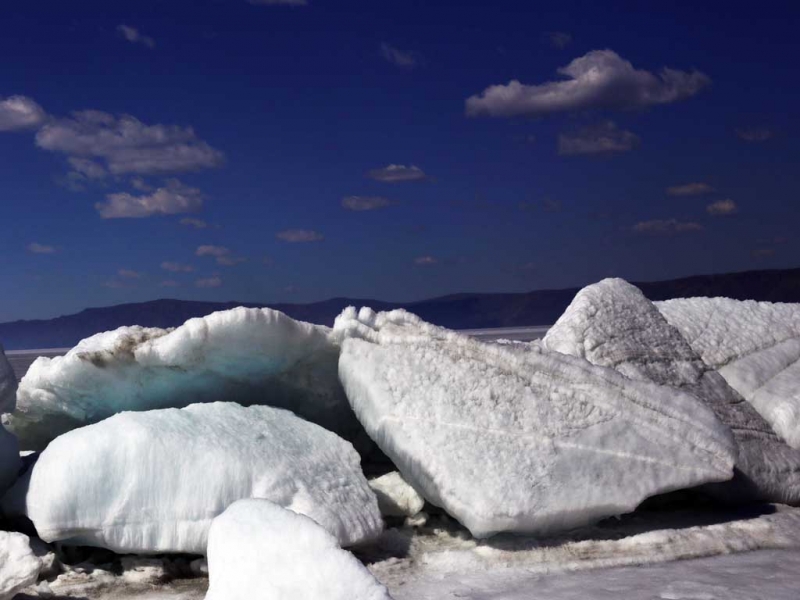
(244, 355)
(260, 551)
(8, 384)
(526, 442)
(19, 567)
(150, 482)
(612, 324)
(756, 348)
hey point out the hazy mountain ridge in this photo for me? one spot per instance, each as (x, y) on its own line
(456, 311)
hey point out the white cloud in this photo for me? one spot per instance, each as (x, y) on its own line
(222, 254)
(174, 198)
(209, 282)
(134, 36)
(127, 145)
(87, 168)
(397, 174)
(299, 235)
(175, 267)
(425, 261)
(20, 112)
(129, 274)
(192, 222)
(722, 208)
(140, 184)
(666, 227)
(557, 39)
(397, 57)
(755, 134)
(600, 79)
(36, 248)
(690, 189)
(603, 138)
(277, 2)
(361, 203)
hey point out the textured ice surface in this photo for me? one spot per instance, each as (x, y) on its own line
(612, 324)
(396, 498)
(8, 384)
(526, 442)
(10, 462)
(150, 482)
(756, 348)
(260, 551)
(19, 568)
(244, 355)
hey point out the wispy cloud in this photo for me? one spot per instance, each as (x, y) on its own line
(557, 39)
(169, 283)
(192, 222)
(399, 58)
(426, 261)
(223, 255)
(176, 267)
(362, 203)
(129, 274)
(755, 134)
(690, 189)
(37, 248)
(208, 282)
(722, 208)
(20, 112)
(603, 138)
(666, 227)
(174, 198)
(299, 236)
(134, 36)
(600, 79)
(397, 174)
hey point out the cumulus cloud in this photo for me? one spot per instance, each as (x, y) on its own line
(223, 255)
(557, 39)
(20, 112)
(399, 58)
(361, 203)
(425, 261)
(603, 138)
(37, 248)
(129, 274)
(86, 168)
(299, 235)
(174, 198)
(600, 79)
(397, 174)
(755, 134)
(208, 282)
(690, 189)
(722, 208)
(175, 267)
(666, 227)
(126, 145)
(192, 222)
(135, 37)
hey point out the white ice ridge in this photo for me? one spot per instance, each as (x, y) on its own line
(19, 567)
(756, 348)
(526, 442)
(612, 324)
(10, 463)
(396, 498)
(151, 482)
(244, 355)
(8, 384)
(260, 551)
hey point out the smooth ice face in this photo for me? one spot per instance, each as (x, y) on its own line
(526, 442)
(244, 355)
(755, 346)
(8, 384)
(260, 551)
(19, 567)
(10, 463)
(396, 498)
(612, 324)
(152, 482)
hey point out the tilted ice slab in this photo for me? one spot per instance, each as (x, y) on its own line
(19, 567)
(150, 482)
(244, 355)
(10, 463)
(260, 551)
(531, 442)
(755, 346)
(612, 324)
(8, 384)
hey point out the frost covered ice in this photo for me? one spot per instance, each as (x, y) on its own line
(396, 497)
(10, 462)
(244, 355)
(756, 348)
(260, 551)
(612, 324)
(150, 482)
(525, 442)
(19, 567)
(8, 384)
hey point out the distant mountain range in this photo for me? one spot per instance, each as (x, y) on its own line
(457, 311)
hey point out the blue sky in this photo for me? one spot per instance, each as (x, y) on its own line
(273, 151)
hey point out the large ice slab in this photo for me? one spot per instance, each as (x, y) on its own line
(19, 567)
(260, 551)
(244, 355)
(526, 442)
(10, 462)
(756, 348)
(612, 324)
(8, 384)
(149, 482)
